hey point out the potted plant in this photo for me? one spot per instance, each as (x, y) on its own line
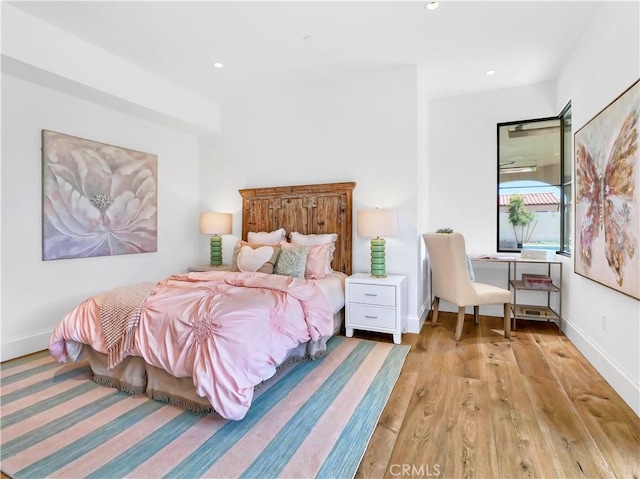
(521, 219)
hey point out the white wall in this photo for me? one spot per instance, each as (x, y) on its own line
(340, 126)
(606, 62)
(35, 293)
(463, 157)
(423, 286)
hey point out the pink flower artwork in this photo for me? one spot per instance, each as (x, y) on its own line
(98, 199)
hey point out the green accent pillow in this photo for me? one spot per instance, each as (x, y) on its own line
(292, 262)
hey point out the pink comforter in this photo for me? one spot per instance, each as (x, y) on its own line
(228, 331)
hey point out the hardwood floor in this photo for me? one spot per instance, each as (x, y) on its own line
(489, 408)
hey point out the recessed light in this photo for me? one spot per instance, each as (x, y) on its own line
(490, 72)
(307, 39)
(432, 5)
(218, 65)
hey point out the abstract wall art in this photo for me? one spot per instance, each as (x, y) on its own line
(97, 199)
(607, 174)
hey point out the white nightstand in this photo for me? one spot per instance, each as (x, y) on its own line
(376, 304)
(208, 267)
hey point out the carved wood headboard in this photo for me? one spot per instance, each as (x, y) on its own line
(307, 209)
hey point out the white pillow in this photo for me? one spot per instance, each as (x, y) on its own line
(312, 240)
(251, 260)
(262, 237)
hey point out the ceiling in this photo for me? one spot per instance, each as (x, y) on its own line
(261, 43)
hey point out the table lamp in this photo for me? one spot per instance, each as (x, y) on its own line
(376, 224)
(216, 224)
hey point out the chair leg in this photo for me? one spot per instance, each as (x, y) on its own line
(459, 323)
(476, 312)
(436, 307)
(507, 320)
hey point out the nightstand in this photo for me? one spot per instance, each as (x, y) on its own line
(208, 267)
(376, 304)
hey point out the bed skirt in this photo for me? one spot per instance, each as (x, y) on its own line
(134, 376)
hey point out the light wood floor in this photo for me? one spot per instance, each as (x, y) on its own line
(488, 408)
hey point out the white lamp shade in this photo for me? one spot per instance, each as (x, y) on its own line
(377, 223)
(215, 223)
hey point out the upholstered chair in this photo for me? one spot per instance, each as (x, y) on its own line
(450, 281)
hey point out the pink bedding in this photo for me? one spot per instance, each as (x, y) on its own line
(227, 331)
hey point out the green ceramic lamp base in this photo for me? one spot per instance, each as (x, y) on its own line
(216, 250)
(378, 268)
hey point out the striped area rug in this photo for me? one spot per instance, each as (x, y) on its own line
(314, 419)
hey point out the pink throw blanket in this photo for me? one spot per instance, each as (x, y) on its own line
(227, 331)
(120, 315)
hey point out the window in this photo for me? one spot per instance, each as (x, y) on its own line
(534, 184)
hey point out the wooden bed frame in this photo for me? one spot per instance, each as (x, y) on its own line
(307, 209)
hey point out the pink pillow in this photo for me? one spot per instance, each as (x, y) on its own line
(318, 259)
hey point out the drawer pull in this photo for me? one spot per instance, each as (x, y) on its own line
(370, 317)
(370, 294)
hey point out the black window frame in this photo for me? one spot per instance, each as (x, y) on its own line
(565, 185)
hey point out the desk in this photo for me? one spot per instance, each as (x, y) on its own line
(516, 283)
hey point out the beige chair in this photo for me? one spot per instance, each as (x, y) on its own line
(450, 281)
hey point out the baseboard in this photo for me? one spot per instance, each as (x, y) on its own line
(415, 323)
(14, 348)
(619, 379)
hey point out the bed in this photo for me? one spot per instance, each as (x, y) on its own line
(206, 341)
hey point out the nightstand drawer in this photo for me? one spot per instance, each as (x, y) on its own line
(371, 316)
(372, 294)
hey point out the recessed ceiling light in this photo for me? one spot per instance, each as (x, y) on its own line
(490, 72)
(432, 5)
(307, 39)
(218, 65)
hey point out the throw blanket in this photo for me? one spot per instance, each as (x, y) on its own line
(120, 315)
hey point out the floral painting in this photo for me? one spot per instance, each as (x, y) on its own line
(608, 195)
(98, 199)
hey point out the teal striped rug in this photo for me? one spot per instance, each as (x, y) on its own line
(314, 419)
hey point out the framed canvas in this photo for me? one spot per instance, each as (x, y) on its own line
(607, 174)
(97, 199)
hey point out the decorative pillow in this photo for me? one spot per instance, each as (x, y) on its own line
(314, 240)
(262, 237)
(472, 275)
(251, 260)
(319, 259)
(265, 268)
(292, 261)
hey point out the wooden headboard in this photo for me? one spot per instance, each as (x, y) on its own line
(307, 209)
